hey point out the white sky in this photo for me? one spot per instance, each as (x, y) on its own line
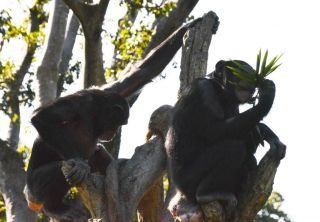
(282, 26)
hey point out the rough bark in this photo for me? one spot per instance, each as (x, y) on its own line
(47, 72)
(151, 206)
(195, 50)
(91, 17)
(12, 184)
(14, 125)
(258, 187)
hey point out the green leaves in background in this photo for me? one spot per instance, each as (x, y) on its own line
(131, 40)
(31, 31)
(271, 212)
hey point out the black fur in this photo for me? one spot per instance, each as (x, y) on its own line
(69, 129)
(210, 144)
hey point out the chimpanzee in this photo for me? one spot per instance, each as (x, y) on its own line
(69, 129)
(210, 145)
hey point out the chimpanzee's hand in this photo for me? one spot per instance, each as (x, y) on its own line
(279, 148)
(77, 173)
(267, 91)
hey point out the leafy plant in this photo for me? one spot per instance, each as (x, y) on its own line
(272, 212)
(255, 77)
(130, 40)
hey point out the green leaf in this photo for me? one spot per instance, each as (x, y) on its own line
(258, 62)
(242, 68)
(255, 77)
(271, 65)
(264, 62)
(242, 74)
(15, 118)
(274, 68)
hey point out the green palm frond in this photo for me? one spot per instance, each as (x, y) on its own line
(263, 69)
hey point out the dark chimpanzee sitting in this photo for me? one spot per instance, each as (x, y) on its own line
(69, 129)
(210, 145)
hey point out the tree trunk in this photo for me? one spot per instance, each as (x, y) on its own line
(67, 51)
(47, 73)
(94, 72)
(151, 206)
(14, 127)
(91, 17)
(195, 50)
(12, 181)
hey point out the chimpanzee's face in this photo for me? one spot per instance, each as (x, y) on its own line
(244, 91)
(114, 112)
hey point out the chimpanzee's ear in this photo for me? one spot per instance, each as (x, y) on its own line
(219, 71)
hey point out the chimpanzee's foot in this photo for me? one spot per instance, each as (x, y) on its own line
(191, 216)
(228, 201)
(183, 210)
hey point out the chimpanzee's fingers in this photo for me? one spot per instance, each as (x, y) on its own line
(78, 172)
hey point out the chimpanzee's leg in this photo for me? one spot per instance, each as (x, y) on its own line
(223, 178)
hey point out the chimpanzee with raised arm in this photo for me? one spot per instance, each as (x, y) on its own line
(210, 144)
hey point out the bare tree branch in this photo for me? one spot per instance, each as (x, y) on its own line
(47, 72)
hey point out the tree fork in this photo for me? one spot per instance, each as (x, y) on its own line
(91, 17)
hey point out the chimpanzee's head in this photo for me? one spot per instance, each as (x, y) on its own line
(242, 90)
(71, 125)
(112, 111)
